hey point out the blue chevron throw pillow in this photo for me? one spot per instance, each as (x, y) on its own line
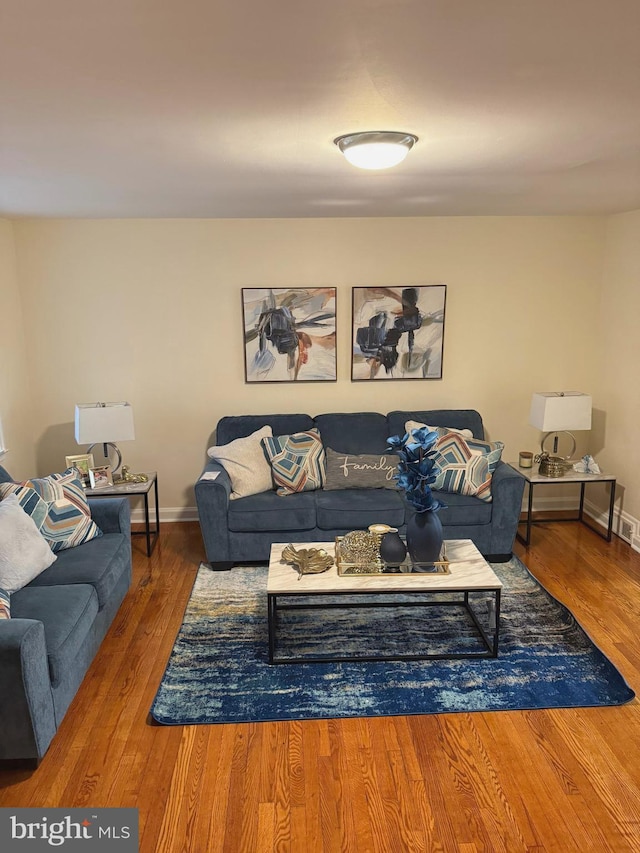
(466, 465)
(297, 461)
(58, 506)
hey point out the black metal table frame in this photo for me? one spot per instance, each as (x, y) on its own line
(490, 640)
(148, 532)
(151, 535)
(529, 520)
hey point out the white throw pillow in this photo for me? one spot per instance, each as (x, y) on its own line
(245, 463)
(466, 433)
(24, 553)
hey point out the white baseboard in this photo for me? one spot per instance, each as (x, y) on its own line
(594, 512)
(631, 535)
(167, 513)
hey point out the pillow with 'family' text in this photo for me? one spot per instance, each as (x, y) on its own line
(366, 471)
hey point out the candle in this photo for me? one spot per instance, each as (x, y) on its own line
(526, 459)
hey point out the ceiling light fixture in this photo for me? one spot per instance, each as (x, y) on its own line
(376, 149)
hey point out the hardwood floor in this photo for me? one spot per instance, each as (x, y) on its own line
(561, 780)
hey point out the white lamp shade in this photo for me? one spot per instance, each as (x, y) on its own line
(556, 411)
(99, 423)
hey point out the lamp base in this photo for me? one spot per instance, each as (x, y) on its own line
(555, 443)
(118, 456)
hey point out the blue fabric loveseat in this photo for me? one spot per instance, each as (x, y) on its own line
(243, 530)
(57, 624)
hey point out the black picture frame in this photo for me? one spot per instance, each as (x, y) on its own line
(397, 332)
(289, 334)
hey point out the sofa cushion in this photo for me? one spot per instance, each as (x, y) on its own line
(67, 613)
(24, 553)
(360, 471)
(297, 461)
(354, 432)
(58, 506)
(99, 562)
(456, 418)
(238, 426)
(462, 511)
(269, 511)
(244, 461)
(356, 509)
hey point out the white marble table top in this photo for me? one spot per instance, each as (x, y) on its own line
(468, 571)
(533, 476)
(124, 488)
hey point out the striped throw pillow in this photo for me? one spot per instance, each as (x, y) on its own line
(466, 465)
(58, 506)
(5, 604)
(297, 461)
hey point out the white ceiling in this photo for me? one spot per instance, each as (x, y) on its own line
(229, 108)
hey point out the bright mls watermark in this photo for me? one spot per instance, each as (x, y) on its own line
(82, 830)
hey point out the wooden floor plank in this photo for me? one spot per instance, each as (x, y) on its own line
(532, 781)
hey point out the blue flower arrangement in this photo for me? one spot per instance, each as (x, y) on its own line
(417, 470)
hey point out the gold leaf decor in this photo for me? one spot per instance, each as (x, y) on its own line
(308, 561)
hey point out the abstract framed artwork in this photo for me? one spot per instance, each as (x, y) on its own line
(289, 334)
(398, 332)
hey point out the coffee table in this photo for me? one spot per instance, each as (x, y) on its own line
(468, 573)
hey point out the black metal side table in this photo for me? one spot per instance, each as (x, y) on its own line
(132, 490)
(533, 478)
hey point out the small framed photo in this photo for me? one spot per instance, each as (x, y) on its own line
(81, 462)
(101, 477)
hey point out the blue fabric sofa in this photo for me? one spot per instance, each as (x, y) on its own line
(244, 529)
(57, 624)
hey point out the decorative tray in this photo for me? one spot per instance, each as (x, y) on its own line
(365, 559)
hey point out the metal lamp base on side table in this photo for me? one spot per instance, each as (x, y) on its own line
(132, 490)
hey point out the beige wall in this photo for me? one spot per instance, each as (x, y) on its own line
(15, 396)
(150, 311)
(619, 358)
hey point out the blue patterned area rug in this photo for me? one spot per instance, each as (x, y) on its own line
(218, 671)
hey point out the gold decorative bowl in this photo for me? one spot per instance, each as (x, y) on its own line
(551, 466)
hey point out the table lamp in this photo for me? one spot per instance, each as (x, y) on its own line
(554, 412)
(104, 423)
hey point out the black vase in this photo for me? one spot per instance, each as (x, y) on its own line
(392, 548)
(424, 537)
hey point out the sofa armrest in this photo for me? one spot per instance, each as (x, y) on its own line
(27, 716)
(112, 515)
(507, 489)
(212, 502)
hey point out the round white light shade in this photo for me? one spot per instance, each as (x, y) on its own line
(376, 149)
